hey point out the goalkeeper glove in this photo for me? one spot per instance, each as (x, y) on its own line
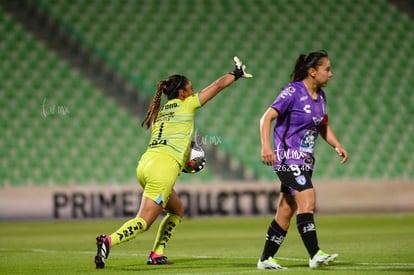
(240, 70)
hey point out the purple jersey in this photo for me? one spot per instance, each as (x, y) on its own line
(298, 125)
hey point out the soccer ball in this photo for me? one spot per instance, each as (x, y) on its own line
(196, 160)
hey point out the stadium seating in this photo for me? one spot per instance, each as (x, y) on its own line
(369, 98)
(56, 127)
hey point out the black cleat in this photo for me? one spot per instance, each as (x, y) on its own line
(103, 244)
(155, 259)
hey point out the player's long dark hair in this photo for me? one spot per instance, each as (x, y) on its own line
(169, 87)
(305, 62)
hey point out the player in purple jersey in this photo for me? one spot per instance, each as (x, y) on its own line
(300, 114)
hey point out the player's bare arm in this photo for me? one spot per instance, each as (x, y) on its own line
(268, 155)
(329, 136)
(214, 88)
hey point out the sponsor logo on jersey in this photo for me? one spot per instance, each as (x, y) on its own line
(170, 106)
(287, 92)
(307, 143)
(308, 161)
(317, 120)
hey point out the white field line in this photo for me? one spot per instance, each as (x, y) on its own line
(353, 265)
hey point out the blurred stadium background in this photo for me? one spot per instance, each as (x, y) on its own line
(77, 77)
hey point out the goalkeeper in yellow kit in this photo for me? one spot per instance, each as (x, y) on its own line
(172, 128)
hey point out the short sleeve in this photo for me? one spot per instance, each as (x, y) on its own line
(284, 100)
(192, 102)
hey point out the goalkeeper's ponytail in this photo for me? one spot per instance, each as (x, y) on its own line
(154, 107)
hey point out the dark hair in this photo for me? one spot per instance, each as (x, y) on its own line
(172, 84)
(169, 87)
(305, 62)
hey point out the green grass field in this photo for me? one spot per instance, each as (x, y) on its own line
(379, 244)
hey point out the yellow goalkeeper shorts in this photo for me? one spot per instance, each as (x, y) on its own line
(157, 174)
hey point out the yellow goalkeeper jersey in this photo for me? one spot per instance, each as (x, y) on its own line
(172, 131)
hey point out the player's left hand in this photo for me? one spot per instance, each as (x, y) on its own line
(240, 70)
(342, 153)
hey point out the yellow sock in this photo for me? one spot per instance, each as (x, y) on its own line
(165, 232)
(128, 231)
